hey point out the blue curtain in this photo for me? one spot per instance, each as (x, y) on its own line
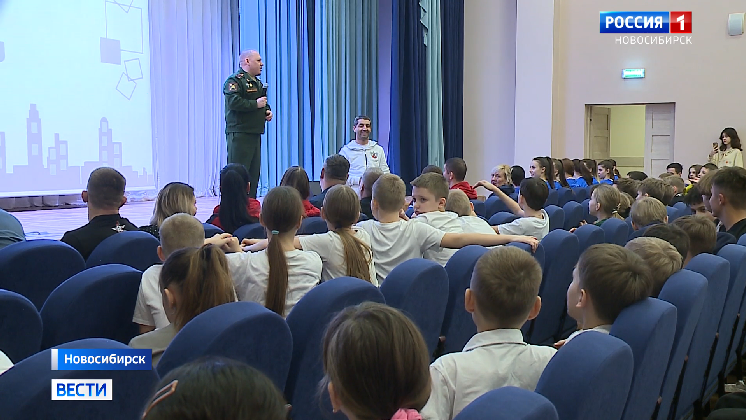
(452, 30)
(408, 137)
(432, 22)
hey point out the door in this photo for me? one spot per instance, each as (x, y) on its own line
(659, 137)
(599, 140)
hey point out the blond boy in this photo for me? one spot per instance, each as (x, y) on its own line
(460, 204)
(661, 258)
(502, 296)
(177, 232)
(646, 211)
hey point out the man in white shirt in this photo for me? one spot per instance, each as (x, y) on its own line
(503, 294)
(363, 153)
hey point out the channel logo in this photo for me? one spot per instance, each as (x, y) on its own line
(81, 390)
(645, 22)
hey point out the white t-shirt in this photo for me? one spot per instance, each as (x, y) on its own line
(5, 363)
(250, 272)
(329, 247)
(447, 222)
(605, 329)
(474, 224)
(149, 307)
(490, 360)
(529, 226)
(394, 243)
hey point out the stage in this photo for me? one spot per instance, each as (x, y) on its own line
(53, 223)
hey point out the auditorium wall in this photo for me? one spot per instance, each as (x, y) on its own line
(704, 79)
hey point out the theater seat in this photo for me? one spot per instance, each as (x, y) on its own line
(502, 218)
(27, 386)
(98, 302)
(538, 254)
(20, 326)
(252, 231)
(556, 217)
(211, 230)
(564, 196)
(308, 321)
(495, 205)
(136, 249)
(479, 208)
(243, 331)
(553, 198)
(35, 268)
(509, 403)
(458, 326)
(419, 288)
(589, 378)
(573, 215)
(616, 231)
(648, 327)
(581, 194)
(587, 216)
(312, 225)
(589, 235)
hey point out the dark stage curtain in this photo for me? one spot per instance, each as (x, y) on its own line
(408, 136)
(452, 37)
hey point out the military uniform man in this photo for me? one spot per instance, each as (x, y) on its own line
(246, 111)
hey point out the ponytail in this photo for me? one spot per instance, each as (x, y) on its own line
(202, 278)
(277, 286)
(282, 210)
(358, 255)
(342, 209)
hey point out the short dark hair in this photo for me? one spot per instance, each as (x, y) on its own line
(701, 232)
(535, 191)
(628, 185)
(607, 164)
(432, 169)
(732, 184)
(710, 166)
(656, 188)
(106, 188)
(361, 117)
(505, 284)
(637, 175)
(676, 167)
(517, 174)
(693, 196)
(458, 167)
(337, 167)
(216, 387)
(672, 234)
(435, 183)
(614, 278)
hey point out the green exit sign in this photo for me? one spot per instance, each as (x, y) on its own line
(633, 73)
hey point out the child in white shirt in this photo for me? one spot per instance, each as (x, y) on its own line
(460, 204)
(394, 240)
(502, 296)
(606, 280)
(534, 220)
(176, 232)
(429, 194)
(281, 275)
(345, 249)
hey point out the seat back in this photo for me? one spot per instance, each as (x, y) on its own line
(501, 218)
(564, 196)
(308, 321)
(648, 327)
(101, 300)
(589, 235)
(717, 272)
(736, 257)
(419, 288)
(587, 216)
(20, 326)
(738, 335)
(552, 198)
(556, 217)
(615, 231)
(313, 225)
(683, 209)
(34, 268)
(673, 213)
(581, 194)
(211, 230)
(480, 208)
(494, 205)
(244, 331)
(251, 231)
(26, 388)
(561, 253)
(686, 290)
(509, 403)
(458, 327)
(573, 215)
(136, 249)
(589, 377)
(538, 254)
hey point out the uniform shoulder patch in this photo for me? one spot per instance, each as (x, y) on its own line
(232, 87)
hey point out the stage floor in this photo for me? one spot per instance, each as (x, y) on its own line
(53, 223)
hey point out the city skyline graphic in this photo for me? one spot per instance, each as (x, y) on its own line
(57, 174)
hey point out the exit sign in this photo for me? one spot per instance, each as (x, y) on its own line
(633, 73)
